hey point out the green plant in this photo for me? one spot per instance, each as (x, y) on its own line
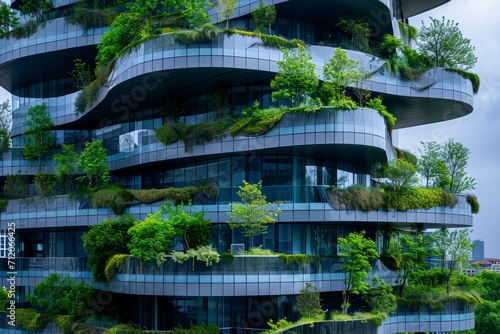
(32, 320)
(264, 16)
(302, 259)
(227, 257)
(473, 202)
(114, 264)
(206, 32)
(258, 251)
(124, 329)
(296, 79)
(390, 119)
(89, 18)
(16, 186)
(279, 325)
(8, 19)
(94, 165)
(253, 215)
(256, 122)
(360, 31)
(202, 253)
(3, 204)
(356, 197)
(44, 184)
(405, 155)
(25, 30)
(63, 322)
(474, 78)
(104, 240)
(115, 197)
(199, 328)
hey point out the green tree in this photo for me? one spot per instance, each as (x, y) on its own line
(341, 71)
(487, 317)
(254, 214)
(195, 11)
(191, 226)
(225, 9)
(38, 137)
(82, 74)
(4, 299)
(296, 79)
(104, 240)
(431, 165)
(491, 285)
(444, 43)
(309, 302)
(58, 294)
(94, 163)
(380, 297)
(264, 16)
(151, 237)
(357, 252)
(398, 178)
(8, 19)
(359, 30)
(412, 252)
(36, 8)
(456, 157)
(5, 125)
(454, 249)
(67, 164)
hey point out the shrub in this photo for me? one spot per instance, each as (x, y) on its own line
(474, 204)
(63, 322)
(44, 184)
(227, 257)
(474, 78)
(32, 320)
(280, 42)
(302, 259)
(390, 119)
(16, 186)
(80, 101)
(3, 204)
(114, 264)
(405, 155)
(124, 329)
(259, 251)
(419, 198)
(200, 328)
(115, 197)
(356, 197)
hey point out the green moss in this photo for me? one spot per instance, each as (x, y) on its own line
(114, 264)
(32, 320)
(473, 202)
(474, 78)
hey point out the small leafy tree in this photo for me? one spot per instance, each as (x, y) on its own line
(56, 295)
(104, 240)
(456, 157)
(296, 79)
(94, 163)
(195, 11)
(357, 252)
(380, 297)
(309, 302)
(151, 237)
(82, 74)
(444, 43)
(412, 252)
(36, 8)
(191, 226)
(39, 138)
(8, 19)
(225, 9)
(359, 30)
(254, 214)
(67, 164)
(341, 71)
(454, 249)
(431, 165)
(264, 16)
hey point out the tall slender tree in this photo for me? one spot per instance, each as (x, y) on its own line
(38, 137)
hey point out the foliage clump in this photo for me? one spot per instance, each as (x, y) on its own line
(309, 302)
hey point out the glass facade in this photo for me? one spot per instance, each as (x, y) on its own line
(297, 161)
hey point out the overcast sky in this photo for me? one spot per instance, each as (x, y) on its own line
(479, 131)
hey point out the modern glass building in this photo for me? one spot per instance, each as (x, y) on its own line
(297, 160)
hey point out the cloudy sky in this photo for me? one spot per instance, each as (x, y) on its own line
(479, 131)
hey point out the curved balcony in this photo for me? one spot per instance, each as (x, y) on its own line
(358, 136)
(55, 43)
(456, 317)
(245, 276)
(62, 212)
(161, 66)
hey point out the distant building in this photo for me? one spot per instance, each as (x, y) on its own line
(478, 252)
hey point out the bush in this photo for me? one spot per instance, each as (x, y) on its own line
(16, 186)
(115, 197)
(124, 329)
(390, 119)
(200, 328)
(405, 155)
(44, 184)
(114, 264)
(3, 204)
(474, 204)
(227, 257)
(302, 259)
(80, 102)
(63, 322)
(419, 198)
(356, 197)
(32, 320)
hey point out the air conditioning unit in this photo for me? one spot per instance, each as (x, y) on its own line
(237, 248)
